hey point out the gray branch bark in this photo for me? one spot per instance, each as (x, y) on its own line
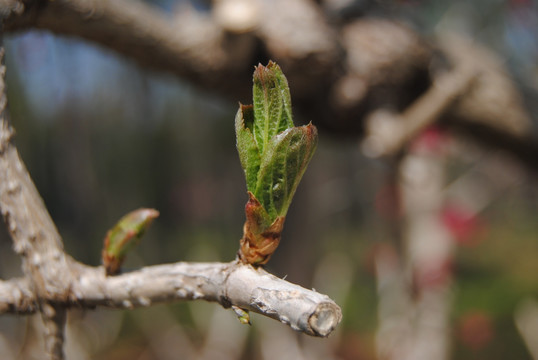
(34, 234)
(225, 283)
(17, 297)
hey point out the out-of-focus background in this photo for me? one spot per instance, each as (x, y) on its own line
(440, 251)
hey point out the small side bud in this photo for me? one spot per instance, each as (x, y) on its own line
(124, 236)
(242, 315)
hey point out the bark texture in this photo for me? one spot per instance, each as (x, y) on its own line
(228, 284)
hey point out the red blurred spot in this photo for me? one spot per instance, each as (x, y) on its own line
(432, 139)
(466, 227)
(476, 330)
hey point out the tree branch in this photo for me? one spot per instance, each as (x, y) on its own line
(388, 133)
(225, 283)
(54, 317)
(16, 297)
(191, 45)
(33, 232)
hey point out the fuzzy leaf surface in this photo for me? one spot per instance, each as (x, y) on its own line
(283, 166)
(249, 154)
(274, 154)
(272, 104)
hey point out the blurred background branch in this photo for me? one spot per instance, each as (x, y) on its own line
(341, 71)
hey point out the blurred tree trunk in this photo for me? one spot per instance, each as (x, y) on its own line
(414, 284)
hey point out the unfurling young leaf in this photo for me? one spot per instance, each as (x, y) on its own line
(274, 155)
(123, 236)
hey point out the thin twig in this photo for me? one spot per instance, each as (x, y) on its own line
(54, 319)
(388, 133)
(226, 283)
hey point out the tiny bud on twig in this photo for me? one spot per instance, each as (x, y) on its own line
(124, 236)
